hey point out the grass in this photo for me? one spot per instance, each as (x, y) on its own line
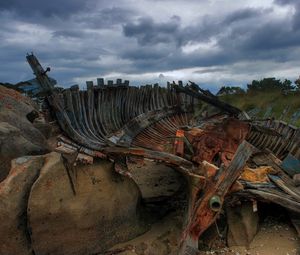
(265, 99)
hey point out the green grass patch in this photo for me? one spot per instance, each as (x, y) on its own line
(264, 99)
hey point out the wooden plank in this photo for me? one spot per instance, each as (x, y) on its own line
(181, 164)
(289, 189)
(285, 183)
(276, 197)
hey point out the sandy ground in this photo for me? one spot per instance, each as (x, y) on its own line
(161, 239)
(276, 235)
(155, 181)
(274, 238)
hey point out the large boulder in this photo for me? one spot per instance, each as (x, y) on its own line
(155, 179)
(14, 192)
(243, 224)
(103, 211)
(18, 136)
(13, 100)
(14, 144)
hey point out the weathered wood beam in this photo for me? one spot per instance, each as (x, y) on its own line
(272, 196)
(208, 207)
(209, 98)
(181, 164)
(289, 189)
(285, 182)
(40, 73)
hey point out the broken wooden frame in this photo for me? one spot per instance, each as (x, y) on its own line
(116, 121)
(205, 210)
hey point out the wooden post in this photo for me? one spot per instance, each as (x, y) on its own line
(40, 73)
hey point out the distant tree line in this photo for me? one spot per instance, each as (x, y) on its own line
(228, 90)
(266, 84)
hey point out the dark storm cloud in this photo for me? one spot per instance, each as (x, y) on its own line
(243, 14)
(245, 40)
(149, 32)
(210, 70)
(94, 37)
(146, 31)
(147, 53)
(152, 58)
(45, 8)
(263, 40)
(272, 36)
(69, 33)
(160, 42)
(296, 5)
(106, 18)
(285, 2)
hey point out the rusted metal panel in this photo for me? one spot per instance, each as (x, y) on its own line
(219, 140)
(291, 165)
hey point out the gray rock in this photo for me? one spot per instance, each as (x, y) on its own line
(18, 136)
(102, 213)
(242, 224)
(14, 192)
(14, 144)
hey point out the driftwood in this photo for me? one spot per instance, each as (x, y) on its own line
(280, 190)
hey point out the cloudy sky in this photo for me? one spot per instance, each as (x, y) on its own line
(212, 42)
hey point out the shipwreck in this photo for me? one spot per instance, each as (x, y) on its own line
(214, 145)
